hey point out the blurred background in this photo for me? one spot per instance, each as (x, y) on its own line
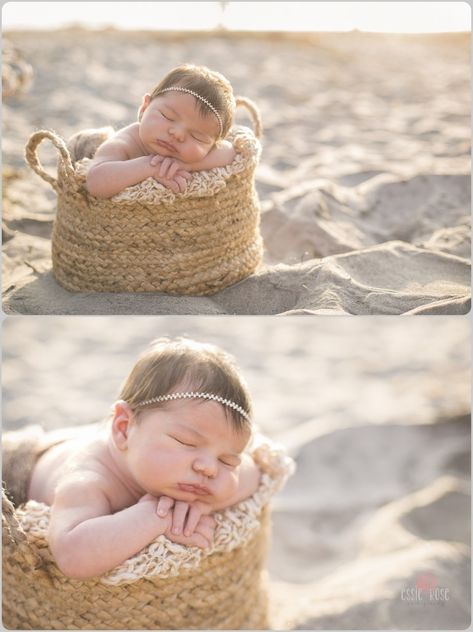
(415, 17)
(376, 413)
(339, 372)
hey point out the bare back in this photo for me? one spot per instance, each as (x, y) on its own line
(124, 144)
(77, 459)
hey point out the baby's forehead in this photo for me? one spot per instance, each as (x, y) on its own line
(186, 105)
(228, 428)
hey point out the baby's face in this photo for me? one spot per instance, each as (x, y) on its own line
(188, 451)
(171, 125)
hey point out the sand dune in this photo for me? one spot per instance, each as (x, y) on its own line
(364, 177)
(373, 518)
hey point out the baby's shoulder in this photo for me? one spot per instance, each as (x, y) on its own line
(82, 457)
(121, 145)
(126, 134)
(91, 469)
(83, 467)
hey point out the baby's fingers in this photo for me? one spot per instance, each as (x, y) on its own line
(197, 539)
(181, 183)
(170, 184)
(208, 521)
(164, 505)
(165, 168)
(193, 518)
(174, 167)
(155, 160)
(178, 516)
(184, 174)
(205, 532)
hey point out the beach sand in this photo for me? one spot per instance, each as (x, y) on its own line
(377, 419)
(364, 177)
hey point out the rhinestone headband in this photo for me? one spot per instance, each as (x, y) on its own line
(195, 395)
(201, 98)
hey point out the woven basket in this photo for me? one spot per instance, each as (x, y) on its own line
(148, 239)
(165, 586)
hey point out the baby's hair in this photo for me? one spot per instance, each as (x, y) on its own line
(184, 365)
(210, 85)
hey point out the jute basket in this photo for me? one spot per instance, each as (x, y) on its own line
(148, 239)
(165, 586)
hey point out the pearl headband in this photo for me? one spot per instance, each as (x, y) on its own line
(197, 96)
(195, 395)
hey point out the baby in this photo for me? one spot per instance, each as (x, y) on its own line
(171, 454)
(181, 128)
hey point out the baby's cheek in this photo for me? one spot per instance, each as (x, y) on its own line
(168, 462)
(228, 486)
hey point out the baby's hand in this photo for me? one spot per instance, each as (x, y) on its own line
(199, 528)
(202, 536)
(170, 173)
(185, 516)
(152, 503)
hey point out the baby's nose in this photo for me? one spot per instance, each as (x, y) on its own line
(177, 132)
(206, 466)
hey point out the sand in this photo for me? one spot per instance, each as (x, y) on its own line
(364, 178)
(377, 419)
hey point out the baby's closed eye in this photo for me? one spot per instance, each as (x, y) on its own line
(183, 442)
(203, 141)
(168, 118)
(230, 461)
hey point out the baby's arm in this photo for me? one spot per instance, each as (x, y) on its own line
(111, 171)
(87, 540)
(219, 156)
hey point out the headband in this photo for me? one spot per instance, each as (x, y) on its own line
(195, 395)
(197, 96)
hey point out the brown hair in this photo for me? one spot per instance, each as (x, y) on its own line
(170, 366)
(210, 85)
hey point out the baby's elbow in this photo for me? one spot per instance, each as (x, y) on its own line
(94, 184)
(68, 565)
(73, 568)
(227, 152)
(231, 153)
(91, 183)
(71, 561)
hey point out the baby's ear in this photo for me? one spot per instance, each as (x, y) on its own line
(121, 421)
(145, 101)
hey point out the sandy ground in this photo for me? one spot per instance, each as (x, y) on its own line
(377, 419)
(364, 178)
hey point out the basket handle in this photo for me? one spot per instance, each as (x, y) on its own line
(14, 539)
(252, 108)
(10, 523)
(32, 158)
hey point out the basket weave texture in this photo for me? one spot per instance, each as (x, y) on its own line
(165, 586)
(148, 239)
